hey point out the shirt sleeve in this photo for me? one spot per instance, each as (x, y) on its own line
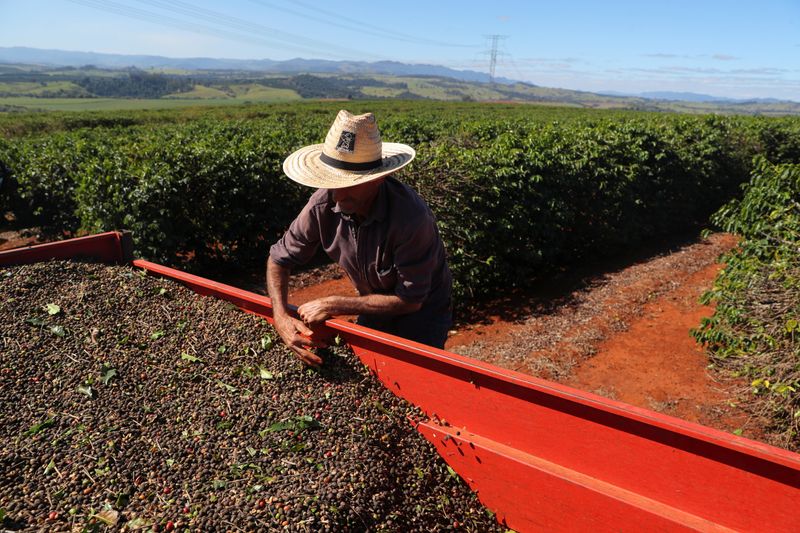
(300, 242)
(416, 259)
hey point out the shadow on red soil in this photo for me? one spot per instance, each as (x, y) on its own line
(619, 328)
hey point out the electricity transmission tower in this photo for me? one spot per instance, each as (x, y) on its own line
(495, 39)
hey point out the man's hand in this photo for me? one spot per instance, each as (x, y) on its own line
(296, 336)
(293, 332)
(316, 312)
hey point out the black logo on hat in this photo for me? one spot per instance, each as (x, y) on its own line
(347, 142)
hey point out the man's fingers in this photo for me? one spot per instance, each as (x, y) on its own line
(297, 337)
(307, 357)
(302, 342)
(299, 346)
(313, 312)
(302, 328)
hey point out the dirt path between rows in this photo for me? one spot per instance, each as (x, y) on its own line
(623, 334)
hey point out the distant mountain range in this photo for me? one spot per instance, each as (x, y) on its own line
(30, 76)
(690, 97)
(37, 56)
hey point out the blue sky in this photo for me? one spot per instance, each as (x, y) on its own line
(737, 49)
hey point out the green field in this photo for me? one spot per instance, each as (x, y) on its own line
(112, 104)
(44, 88)
(64, 116)
(261, 93)
(253, 92)
(30, 87)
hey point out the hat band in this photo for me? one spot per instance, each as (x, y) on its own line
(347, 165)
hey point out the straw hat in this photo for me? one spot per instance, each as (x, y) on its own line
(351, 154)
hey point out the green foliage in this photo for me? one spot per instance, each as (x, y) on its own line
(515, 200)
(517, 190)
(135, 84)
(42, 175)
(754, 329)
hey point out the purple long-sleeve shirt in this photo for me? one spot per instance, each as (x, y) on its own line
(395, 250)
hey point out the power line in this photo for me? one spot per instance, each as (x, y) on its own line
(238, 24)
(157, 18)
(519, 74)
(348, 23)
(242, 30)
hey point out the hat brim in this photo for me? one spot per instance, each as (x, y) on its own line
(305, 167)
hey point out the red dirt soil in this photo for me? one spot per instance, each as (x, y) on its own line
(13, 239)
(656, 363)
(624, 336)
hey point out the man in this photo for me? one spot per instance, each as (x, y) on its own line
(376, 228)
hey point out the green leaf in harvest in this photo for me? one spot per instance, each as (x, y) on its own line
(107, 373)
(229, 388)
(109, 517)
(191, 358)
(35, 321)
(264, 373)
(156, 335)
(138, 523)
(266, 343)
(36, 428)
(57, 330)
(86, 390)
(123, 498)
(52, 309)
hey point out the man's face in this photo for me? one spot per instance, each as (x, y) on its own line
(358, 198)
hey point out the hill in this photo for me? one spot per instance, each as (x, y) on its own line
(51, 80)
(64, 58)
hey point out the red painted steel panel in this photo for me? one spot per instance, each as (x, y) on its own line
(731, 481)
(104, 246)
(601, 464)
(555, 498)
(713, 476)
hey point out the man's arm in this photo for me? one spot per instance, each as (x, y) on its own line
(318, 311)
(293, 332)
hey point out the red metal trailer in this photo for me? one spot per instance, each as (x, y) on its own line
(542, 456)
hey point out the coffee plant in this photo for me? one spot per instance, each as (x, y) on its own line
(755, 330)
(518, 190)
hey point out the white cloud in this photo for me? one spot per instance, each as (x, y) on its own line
(664, 56)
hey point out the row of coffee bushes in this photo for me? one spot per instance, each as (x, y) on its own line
(755, 329)
(515, 204)
(411, 115)
(515, 195)
(203, 190)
